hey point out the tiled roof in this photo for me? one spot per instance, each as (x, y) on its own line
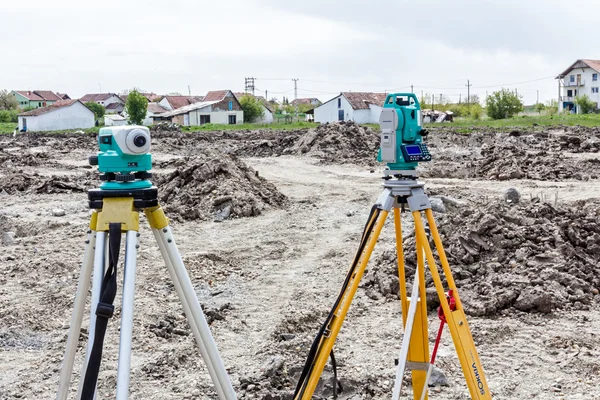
(63, 96)
(38, 95)
(361, 100)
(187, 109)
(96, 97)
(182, 101)
(156, 108)
(310, 100)
(216, 95)
(45, 110)
(594, 64)
(115, 106)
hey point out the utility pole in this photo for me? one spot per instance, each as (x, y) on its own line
(432, 102)
(468, 85)
(189, 91)
(537, 96)
(295, 88)
(459, 99)
(422, 97)
(411, 89)
(249, 85)
(266, 97)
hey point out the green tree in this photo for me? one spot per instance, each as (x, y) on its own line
(253, 109)
(8, 101)
(585, 104)
(98, 109)
(9, 116)
(503, 104)
(136, 107)
(552, 107)
(539, 107)
(303, 108)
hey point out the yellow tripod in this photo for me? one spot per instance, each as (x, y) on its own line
(396, 194)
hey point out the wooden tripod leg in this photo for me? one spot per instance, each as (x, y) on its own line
(418, 353)
(457, 321)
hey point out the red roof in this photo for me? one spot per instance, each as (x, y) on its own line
(115, 106)
(216, 95)
(50, 108)
(156, 108)
(97, 97)
(594, 64)
(361, 100)
(38, 95)
(182, 101)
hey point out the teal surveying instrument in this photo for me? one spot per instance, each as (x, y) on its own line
(124, 161)
(402, 148)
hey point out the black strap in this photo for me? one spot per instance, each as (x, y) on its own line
(337, 385)
(104, 312)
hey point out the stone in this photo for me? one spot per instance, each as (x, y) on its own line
(58, 212)
(274, 365)
(512, 195)
(8, 238)
(437, 204)
(223, 214)
(534, 299)
(438, 378)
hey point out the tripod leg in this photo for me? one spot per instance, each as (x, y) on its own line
(401, 271)
(340, 313)
(78, 310)
(187, 311)
(99, 264)
(206, 343)
(124, 367)
(457, 321)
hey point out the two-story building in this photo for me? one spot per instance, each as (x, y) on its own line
(581, 78)
(35, 98)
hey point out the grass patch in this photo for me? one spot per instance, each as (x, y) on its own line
(528, 121)
(225, 127)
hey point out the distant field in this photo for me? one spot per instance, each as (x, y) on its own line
(275, 125)
(524, 121)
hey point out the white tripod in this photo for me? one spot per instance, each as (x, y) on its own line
(125, 211)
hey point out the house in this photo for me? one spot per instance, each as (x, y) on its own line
(267, 108)
(104, 99)
(63, 96)
(115, 108)
(114, 120)
(218, 107)
(313, 101)
(579, 79)
(175, 102)
(360, 107)
(63, 114)
(35, 98)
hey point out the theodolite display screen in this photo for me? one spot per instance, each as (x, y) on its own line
(414, 150)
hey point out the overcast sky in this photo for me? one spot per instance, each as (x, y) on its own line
(163, 46)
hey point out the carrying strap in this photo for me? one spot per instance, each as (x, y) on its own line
(104, 312)
(337, 385)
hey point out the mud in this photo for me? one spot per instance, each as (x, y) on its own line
(215, 185)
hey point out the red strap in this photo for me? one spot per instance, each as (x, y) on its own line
(442, 317)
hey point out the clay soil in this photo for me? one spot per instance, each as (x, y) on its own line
(268, 247)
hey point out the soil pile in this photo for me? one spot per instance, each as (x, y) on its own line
(215, 185)
(530, 256)
(16, 181)
(340, 142)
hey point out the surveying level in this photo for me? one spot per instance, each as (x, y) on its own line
(402, 149)
(402, 146)
(124, 161)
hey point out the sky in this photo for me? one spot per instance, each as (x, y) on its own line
(166, 46)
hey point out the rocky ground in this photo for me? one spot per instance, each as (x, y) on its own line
(267, 223)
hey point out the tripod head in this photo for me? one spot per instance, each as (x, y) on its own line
(402, 146)
(124, 158)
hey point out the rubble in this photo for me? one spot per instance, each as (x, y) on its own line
(214, 185)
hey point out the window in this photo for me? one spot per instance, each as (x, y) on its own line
(230, 105)
(594, 90)
(569, 93)
(204, 119)
(232, 120)
(340, 102)
(594, 77)
(572, 78)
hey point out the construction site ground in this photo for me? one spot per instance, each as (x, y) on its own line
(268, 222)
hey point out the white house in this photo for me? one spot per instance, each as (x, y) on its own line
(175, 102)
(360, 107)
(63, 114)
(267, 108)
(104, 99)
(581, 78)
(154, 111)
(114, 120)
(218, 107)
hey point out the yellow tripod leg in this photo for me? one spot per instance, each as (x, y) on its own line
(340, 314)
(457, 321)
(418, 351)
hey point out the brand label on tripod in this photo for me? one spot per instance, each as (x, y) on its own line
(477, 377)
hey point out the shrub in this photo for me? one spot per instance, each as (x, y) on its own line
(503, 104)
(98, 109)
(9, 116)
(585, 104)
(136, 107)
(252, 108)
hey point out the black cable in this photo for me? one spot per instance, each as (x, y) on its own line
(314, 349)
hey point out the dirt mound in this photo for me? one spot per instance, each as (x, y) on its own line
(530, 256)
(340, 142)
(15, 182)
(215, 185)
(60, 142)
(10, 159)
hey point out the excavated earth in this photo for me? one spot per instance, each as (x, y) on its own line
(267, 223)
